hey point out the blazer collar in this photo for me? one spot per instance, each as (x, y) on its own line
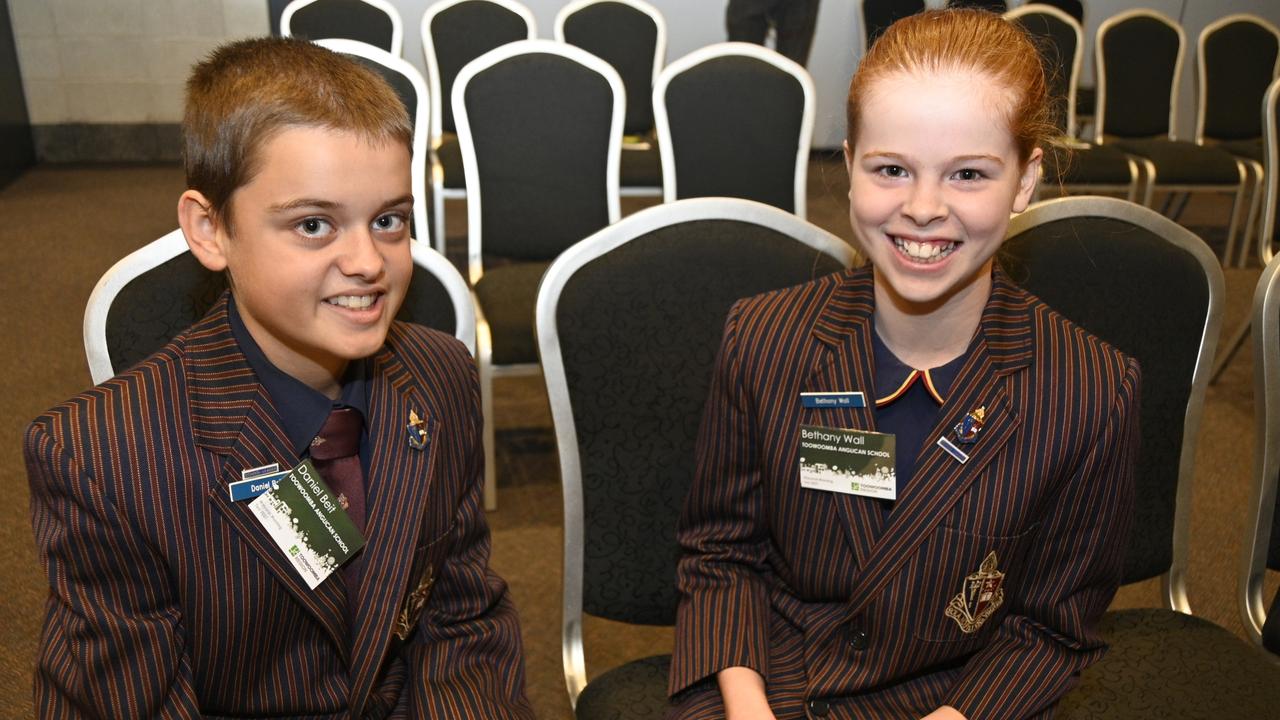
(1004, 346)
(232, 417)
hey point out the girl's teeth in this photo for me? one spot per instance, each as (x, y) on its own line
(924, 252)
(357, 302)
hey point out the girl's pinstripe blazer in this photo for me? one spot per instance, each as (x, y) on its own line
(169, 600)
(843, 608)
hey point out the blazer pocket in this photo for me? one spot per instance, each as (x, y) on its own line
(960, 584)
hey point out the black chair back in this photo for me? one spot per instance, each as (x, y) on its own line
(541, 127)
(1139, 54)
(627, 38)
(1058, 40)
(1238, 60)
(1152, 289)
(878, 15)
(463, 32)
(350, 19)
(995, 6)
(157, 305)
(738, 119)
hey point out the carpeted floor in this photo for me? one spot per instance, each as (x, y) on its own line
(61, 227)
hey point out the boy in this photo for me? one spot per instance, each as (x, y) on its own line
(178, 593)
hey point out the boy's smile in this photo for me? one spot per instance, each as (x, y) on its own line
(318, 249)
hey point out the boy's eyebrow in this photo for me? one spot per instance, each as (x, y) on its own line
(329, 204)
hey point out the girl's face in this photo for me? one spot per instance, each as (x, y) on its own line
(933, 177)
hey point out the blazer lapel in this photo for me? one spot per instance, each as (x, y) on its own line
(1003, 347)
(232, 417)
(845, 364)
(399, 478)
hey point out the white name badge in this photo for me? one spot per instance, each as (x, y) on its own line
(854, 462)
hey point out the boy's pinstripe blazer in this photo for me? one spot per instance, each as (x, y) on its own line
(169, 600)
(841, 606)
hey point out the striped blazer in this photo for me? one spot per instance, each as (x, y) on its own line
(170, 600)
(845, 609)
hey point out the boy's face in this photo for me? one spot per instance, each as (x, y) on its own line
(319, 253)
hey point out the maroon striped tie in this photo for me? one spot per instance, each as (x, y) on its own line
(336, 453)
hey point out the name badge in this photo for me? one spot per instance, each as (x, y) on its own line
(833, 399)
(308, 524)
(253, 487)
(854, 462)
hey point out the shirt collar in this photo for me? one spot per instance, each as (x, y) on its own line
(893, 378)
(302, 409)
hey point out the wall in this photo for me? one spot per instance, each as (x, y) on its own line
(17, 152)
(104, 78)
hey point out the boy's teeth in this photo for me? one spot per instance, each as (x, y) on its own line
(924, 252)
(353, 301)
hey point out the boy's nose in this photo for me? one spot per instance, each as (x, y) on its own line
(361, 256)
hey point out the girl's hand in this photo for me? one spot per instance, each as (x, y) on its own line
(946, 712)
(743, 692)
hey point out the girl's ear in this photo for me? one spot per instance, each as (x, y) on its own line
(203, 231)
(1027, 182)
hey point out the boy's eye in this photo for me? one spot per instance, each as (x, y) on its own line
(391, 222)
(313, 227)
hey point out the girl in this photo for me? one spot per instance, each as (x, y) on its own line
(914, 479)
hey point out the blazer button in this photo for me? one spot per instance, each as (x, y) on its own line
(819, 708)
(859, 639)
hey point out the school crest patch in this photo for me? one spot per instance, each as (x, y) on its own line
(982, 595)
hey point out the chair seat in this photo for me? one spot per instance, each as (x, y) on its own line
(506, 295)
(1096, 165)
(450, 155)
(635, 691)
(641, 168)
(1251, 149)
(1183, 163)
(1164, 664)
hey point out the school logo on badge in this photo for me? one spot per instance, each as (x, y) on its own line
(982, 595)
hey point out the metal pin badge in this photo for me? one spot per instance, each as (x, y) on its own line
(417, 431)
(967, 429)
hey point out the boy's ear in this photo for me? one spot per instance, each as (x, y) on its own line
(204, 233)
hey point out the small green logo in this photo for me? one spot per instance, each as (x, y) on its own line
(855, 486)
(293, 550)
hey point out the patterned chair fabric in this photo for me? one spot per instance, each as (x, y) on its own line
(375, 23)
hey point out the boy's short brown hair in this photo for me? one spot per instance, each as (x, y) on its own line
(246, 91)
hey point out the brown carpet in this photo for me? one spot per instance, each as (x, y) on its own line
(61, 227)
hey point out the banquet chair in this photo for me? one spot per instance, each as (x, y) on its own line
(160, 289)
(1153, 290)
(1082, 167)
(405, 79)
(376, 22)
(455, 32)
(1074, 8)
(1237, 58)
(1138, 56)
(1262, 533)
(540, 130)
(628, 324)
(630, 35)
(735, 120)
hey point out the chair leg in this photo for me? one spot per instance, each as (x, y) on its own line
(1251, 220)
(484, 362)
(1231, 348)
(1233, 227)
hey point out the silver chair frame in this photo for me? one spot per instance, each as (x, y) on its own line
(659, 60)
(421, 119)
(397, 24)
(439, 193)
(174, 243)
(471, 171)
(1266, 408)
(1174, 581)
(718, 50)
(1149, 168)
(1132, 189)
(548, 335)
(1252, 167)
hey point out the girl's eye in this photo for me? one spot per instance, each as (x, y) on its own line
(893, 171)
(314, 227)
(390, 222)
(969, 174)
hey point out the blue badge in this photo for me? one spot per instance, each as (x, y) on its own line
(833, 399)
(253, 487)
(953, 450)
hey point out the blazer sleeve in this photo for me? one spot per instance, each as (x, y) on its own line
(723, 615)
(466, 659)
(1051, 634)
(111, 645)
